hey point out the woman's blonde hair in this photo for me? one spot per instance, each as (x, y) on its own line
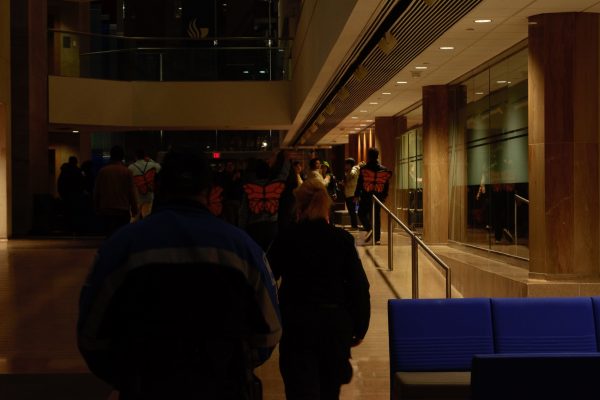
(312, 200)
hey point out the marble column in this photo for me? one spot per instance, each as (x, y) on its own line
(338, 154)
(387, 129)
(6, 298)
(563, 146)
(5, 102)
(384, 140)
(436, 122)
(85, 146)
(29, 109)
(457, 177)
(352, 147)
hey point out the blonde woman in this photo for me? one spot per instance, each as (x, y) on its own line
(324, 298)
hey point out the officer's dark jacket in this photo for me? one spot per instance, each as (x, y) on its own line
(178, 301)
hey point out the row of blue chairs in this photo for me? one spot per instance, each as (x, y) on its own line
(481, 348)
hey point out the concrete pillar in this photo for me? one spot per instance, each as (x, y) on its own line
(436, 122)
(563, 146)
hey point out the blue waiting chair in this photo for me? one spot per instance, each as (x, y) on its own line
(544, 325)
(432, 344)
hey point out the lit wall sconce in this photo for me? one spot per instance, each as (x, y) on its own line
(343, 94)
(387, 43)
(360, 73)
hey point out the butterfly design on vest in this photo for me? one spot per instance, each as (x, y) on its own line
(215, 200)
(264, 198)
(145, 182)
(374, 182)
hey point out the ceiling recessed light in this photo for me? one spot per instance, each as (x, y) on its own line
(386, 93)
(373, 103)
(401, 82)
(447, 48)
(363, 124)
(369, 120)
(245, 72)
(262, 71)
(421, 67)
(75, 131)
(354, 117)
(479, 93)
(483, 21)
(364, 111)
(501, 82)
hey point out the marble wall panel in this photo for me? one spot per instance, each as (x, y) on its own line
(589, 289)
(553, 289)
(586, 208)
(536, 85)
(537, 214)
(585, 76)
(472, 281)
(559, 204)
(563, 145)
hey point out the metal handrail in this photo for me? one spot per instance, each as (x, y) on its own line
(523, 200)
(415, 243)
(170, 38)
(273, 48)
(93, 53)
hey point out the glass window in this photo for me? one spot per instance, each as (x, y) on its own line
(489, 159)
(409, 180)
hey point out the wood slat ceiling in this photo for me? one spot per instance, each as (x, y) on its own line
(418, 26)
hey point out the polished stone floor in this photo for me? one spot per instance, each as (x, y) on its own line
(39, 287)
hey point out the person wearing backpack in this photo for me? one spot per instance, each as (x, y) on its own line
(144, 170)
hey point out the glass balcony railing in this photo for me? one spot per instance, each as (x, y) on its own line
(87, 55)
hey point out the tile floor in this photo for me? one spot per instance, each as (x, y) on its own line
(39, 287)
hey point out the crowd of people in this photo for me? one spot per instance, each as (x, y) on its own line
(104, 201)
(221, 266)
(259, 198)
